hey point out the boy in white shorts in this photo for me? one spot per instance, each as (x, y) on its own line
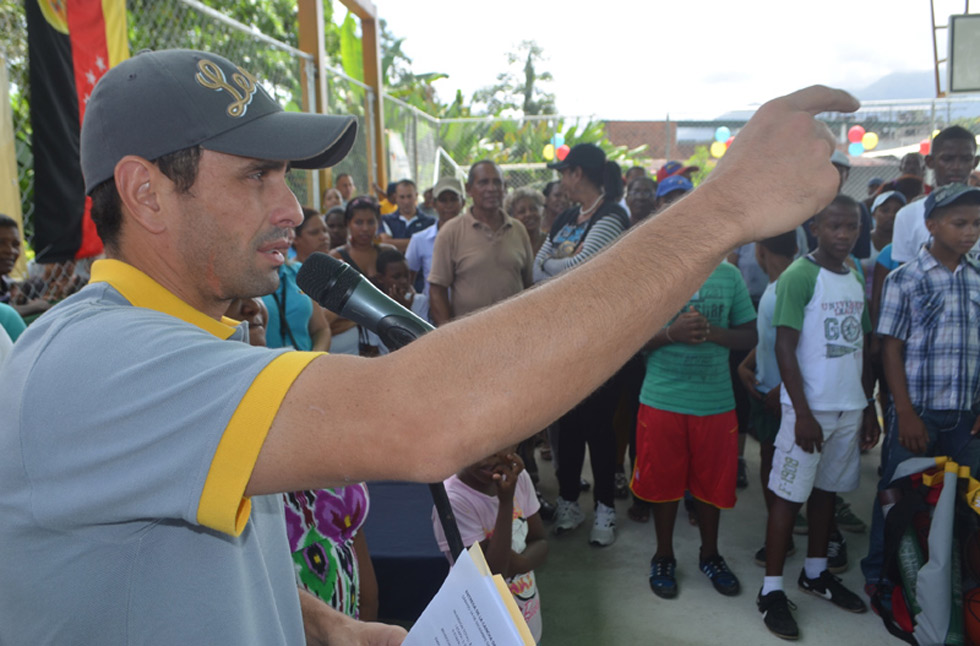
(821, 319)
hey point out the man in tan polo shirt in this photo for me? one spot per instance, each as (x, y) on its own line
(481, 257)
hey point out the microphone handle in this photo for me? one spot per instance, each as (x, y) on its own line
(340, 288)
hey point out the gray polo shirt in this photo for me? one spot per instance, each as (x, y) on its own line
(131, 426)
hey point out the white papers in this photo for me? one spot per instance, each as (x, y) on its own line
(472, 608)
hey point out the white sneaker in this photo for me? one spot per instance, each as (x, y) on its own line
(568, 516)
(604, 528)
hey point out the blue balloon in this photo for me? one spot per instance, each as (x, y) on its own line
(856, 149)
(558, 140)
(722, 134)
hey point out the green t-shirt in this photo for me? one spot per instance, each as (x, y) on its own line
(695, 379)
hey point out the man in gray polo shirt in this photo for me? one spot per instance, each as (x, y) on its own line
(140, 436)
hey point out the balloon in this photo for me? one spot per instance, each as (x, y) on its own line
(855, 149)
(934, 133)
(717, 149)
(729, 142)
(854, 134)
(558, 140)
(549, 152)
(722, 133)
(869, 140)
(562, 152)
(924, 147)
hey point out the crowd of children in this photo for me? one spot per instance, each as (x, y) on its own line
(838, 341)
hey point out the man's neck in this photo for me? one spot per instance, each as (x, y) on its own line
(828, 263)
(409, 216)
(168, 277)
(493, 218)
(945, 256)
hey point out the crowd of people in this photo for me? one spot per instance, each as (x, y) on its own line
(800, 339)
(777, 343)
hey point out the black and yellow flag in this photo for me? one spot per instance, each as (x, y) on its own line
(71, 44)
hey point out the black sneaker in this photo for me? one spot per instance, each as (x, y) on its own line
(836, 553)
(775, 609)
(721, 577)
(760, 556)
(742, 479)
(830, 588)
(662, 579)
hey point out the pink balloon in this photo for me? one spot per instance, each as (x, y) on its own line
(562, 152)
(729, 142)
(924, 146)
(855, 134)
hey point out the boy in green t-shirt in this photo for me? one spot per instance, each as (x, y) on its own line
(687, 433)
(821, 318)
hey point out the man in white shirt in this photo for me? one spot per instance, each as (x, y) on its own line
(952, 157)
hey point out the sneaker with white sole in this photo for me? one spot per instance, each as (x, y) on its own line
(568, 516)
(604, 528)
(829, 587)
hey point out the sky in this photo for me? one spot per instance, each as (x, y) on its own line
(646, 59)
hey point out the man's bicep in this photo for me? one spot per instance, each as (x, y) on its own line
(332, 428)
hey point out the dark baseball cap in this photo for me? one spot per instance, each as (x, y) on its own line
(159, 102)
(582, 155)
(948, 195)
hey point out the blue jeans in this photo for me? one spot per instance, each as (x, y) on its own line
(949, 434)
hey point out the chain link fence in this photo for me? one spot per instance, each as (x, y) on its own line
(281, 68)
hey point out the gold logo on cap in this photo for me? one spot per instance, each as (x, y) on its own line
(213, 77)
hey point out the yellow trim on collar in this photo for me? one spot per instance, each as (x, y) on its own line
(242, 441)
(142, 291)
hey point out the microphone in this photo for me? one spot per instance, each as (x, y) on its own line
(340, 288)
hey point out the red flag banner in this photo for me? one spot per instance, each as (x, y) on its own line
(71, 44)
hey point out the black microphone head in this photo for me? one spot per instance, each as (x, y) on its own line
(327, 281)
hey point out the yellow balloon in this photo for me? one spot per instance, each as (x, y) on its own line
(934, 133)
(869, 140)
(718, 149)
(549, 152)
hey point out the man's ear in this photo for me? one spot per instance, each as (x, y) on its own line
(139, 183)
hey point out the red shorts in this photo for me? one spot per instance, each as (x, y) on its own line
(675, 452)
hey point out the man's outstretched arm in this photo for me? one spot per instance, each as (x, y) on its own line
(484, 375)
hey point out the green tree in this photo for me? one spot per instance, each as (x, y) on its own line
(519, 88)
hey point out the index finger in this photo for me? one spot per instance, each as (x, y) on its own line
(820, 98)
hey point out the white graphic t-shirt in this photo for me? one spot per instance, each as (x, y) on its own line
(831, 314)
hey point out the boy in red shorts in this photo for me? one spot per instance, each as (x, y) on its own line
(687, 433)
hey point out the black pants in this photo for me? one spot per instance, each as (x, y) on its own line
(589, 423)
